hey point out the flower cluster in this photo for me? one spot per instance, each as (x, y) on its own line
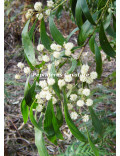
(26, 70)
(46, 93)
(85, 77)
(77, 95)
(81, 98)
(58, 51)
(39, 11)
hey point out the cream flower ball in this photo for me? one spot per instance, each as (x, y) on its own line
(40, 58)
(69, 86)
(38, 6)
(93, 75)
(39, 108)
(54, 100)
(89, 102)
(28, 15)
(50, 3)
(20, 65)
(37, 96)
(27, 70)
(80, 91)
(67, 52)
(61, 83)
(85, 118)
(74, 115)
(17, 76)
(47, 12)
(39, 16)
(58, 47)
(89, 80)
(68, 78)
(46, 58)
(43, 94)
(40, 101)
(56, 54)
(86, 92)
(83, 78)
(80, 103)
(53, 46)
(84, 69)
(51, 81)
(43, 84)
(48, 95)
(68, 46)
(40, 47)
(73, 97)
(70, 106)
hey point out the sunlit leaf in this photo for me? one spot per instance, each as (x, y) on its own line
(24, 110)
(27, 45)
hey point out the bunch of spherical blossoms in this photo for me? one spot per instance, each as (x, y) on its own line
(39, 11)
(81, 98)
(26, 70)
(47, 92)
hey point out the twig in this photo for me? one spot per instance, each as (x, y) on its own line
(17, 139)
(94, 29)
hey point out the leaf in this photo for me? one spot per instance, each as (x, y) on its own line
(95, 150)
(74, 130)
(114, 23)
(24, 110)
(29, 63)
(73, 5)
(39, 140)
(45, 39)
(27, 86)
(50, 124)
(73, 67)
(69, 36)
(86, 30)
(96, 122)
(30, 93)
(34, 122)
(58, 12)
(107, 21)
(105, 45)
(78, 14)
(84, 7)
(59, 115)
(55, 86)
(111, 32)
(101, 4)
(57, 36)
(27, 45)
(91, 44)
(98, 60)
(32, 30)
